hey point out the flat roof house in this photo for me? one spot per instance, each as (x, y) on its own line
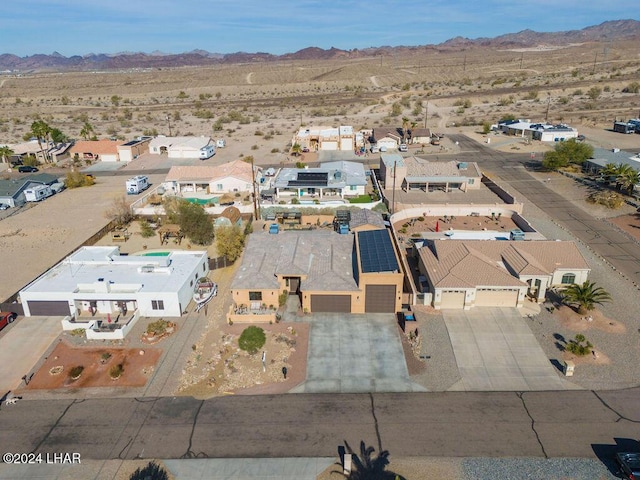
(329, 272)
(492, 273)
(12, 190)
(183, 147)
(98, 280)
(326, 138)
(412, 173)
(332, 179)
(602, 158)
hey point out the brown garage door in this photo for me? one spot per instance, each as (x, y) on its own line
(452, 299)
(44, 308)
(496, 298)
(380, 299)
(331, 303)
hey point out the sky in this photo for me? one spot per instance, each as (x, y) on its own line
(80, 27)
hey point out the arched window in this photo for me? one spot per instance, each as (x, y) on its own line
(568, 279)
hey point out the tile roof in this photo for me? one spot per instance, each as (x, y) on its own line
(99, 147)
(472, 263)
(324, 257)
(364, 216)
(208, 173)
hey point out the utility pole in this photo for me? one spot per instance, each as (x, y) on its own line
(426, 114)
(521, 58)
(594, 63)
(256, 204)
(169, 122)
(546, 116)
(393, 193)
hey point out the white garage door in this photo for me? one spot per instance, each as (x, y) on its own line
(452, 299)
(346, 144)
(329, 145)
(496, 298)
(389, 144)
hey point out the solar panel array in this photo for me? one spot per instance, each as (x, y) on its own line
(310, 179)
(376, 252)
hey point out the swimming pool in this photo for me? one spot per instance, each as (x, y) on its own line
(156, 254)
(203, 201)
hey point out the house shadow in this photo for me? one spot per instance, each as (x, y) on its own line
(606, 452)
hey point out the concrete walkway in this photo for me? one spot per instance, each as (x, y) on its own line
(355, 354)
(496, 351)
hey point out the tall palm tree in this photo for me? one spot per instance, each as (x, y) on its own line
(405, 129)
(296, 149)
(610, 172)
(629, 178)
(41, 130)
(5, 153)
(585, 297)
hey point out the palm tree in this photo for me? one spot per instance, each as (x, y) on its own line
(367, 467)
(405, 129)
(585, 297)
(86, 131)
(5, 153)
(41, 130)
(296, 149)
(629, 178)
(610, 172)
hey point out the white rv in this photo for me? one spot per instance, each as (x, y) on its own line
(37, 193)
(137, 184)
(207, 152)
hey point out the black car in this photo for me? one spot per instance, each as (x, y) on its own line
(27, 169)
(629, 465)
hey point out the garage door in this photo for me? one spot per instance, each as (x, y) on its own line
(329, 145)
(380, 299)
(346, 144)
(44, 308)
(452, 299)
(331, 303)
(496, 298)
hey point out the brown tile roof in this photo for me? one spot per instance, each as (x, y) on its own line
(382, 132)
(237, 169)
(472, 263)
(96, 147)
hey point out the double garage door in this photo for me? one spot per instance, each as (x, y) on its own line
(48, 307)
(496, 297)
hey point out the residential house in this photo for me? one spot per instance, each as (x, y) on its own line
(602, 158)
(133, 149)
(98, 280)
(329, 272)
(412, 173)
(486, 273)
(537, 131)
(331, 179)
(12, 190)
(183, 147)
(388, 137)
(103, 150)
(236, 176)
(326, 138)
(420, 136)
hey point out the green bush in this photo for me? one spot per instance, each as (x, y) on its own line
(282, 298)
(158, 327)
(252, 339)
(145, 229)
(579, 346)
(75, 372)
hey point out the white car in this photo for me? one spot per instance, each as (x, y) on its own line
(383, 148)
(4, 206)
(403, 147)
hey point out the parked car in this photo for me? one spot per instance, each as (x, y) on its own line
(27, 169)
(403, 147)
(6, 318)
(629, 464)
(581, 138)
(374, 149)
(305, 149)
(4, 206)
(383, 148)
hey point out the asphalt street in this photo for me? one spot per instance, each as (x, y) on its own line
(450, 424)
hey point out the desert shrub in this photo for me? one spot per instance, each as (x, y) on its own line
(75, 372)
(105, 356)
(579, 346)
(78, 332)
(252, 339)
(611, 200)
(158, 327)
(145, 229)
(77, 179)
(282, 298)
(116, 371)
(633, 87)
(275, 150)
(295, 201)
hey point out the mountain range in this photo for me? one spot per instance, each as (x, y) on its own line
(613, 30)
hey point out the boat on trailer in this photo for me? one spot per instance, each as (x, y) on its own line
(204, 291)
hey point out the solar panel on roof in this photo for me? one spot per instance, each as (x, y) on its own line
(376, 252)
(313, 176)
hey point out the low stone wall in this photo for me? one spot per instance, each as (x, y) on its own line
(458, 210)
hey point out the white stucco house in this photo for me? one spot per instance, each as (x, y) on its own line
(331, 179)
(95, 281)
(236, 176)
(183, 147)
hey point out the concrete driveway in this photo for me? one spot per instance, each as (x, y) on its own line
(21, 345)
(355, 354)
(496, 351)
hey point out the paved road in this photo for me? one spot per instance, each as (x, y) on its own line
(530, 424)
(617, 248)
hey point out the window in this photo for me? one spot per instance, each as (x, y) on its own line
(353, 187)
(204, 267)
(568, 279)
(255, 296)
(219, 186)
(157, 304)
(471, 181)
